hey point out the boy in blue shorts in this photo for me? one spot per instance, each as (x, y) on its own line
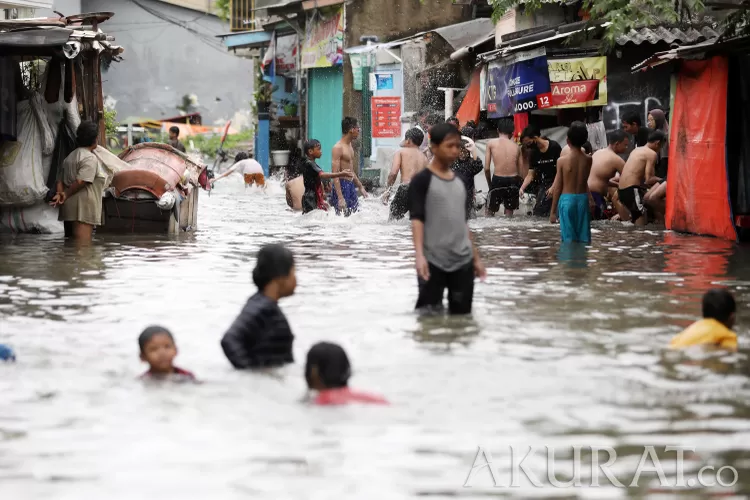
(570, 191)
(344, 194)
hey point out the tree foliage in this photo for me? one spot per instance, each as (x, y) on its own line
(110, 121)
(623, 15)
(223, 8)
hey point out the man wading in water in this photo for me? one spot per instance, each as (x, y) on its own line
(542, 167)
(606, 164)
(344, 195)
(505, 182)
(408, 161)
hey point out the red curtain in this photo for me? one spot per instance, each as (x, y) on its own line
(521, 121)
(698, 189)
(469, 110)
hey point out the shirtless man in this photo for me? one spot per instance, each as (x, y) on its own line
(408, 160)
(505, 182)
(570, 191)
(639, 170)
(344, 194)
(607, 163)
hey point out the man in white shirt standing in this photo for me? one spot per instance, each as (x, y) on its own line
(251, 170)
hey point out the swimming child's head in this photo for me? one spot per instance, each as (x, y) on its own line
(6, 353)
(274, 271)
(719, 304)
(327, 367)
(312, 149)
(158, 349)
(241, 156)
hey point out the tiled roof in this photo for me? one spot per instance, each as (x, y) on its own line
(668, 35)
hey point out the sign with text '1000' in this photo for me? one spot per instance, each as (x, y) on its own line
(518, 84)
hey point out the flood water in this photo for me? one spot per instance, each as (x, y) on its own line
(566, 347)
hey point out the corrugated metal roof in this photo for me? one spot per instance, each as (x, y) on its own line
(669, 35)
(463, 34)
(740, 44)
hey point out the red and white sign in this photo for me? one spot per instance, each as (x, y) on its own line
(544, 100)
(386, 117)
(574, 92)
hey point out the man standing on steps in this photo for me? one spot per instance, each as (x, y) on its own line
(542, 167)
(344, 193)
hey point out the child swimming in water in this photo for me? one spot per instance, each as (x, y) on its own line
(327, 371)
(313, 178)
(158, 349)
(719, 315)
(260, 337)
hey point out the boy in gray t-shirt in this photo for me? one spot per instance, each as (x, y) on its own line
(445, 254)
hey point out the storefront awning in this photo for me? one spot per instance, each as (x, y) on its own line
(520, 43)
(650, 35)
(278, 6)
(458, 36)
(246, 39)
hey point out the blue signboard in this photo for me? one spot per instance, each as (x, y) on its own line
(384, 81)
(518, 84)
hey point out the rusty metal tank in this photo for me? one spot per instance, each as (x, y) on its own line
(156, 168)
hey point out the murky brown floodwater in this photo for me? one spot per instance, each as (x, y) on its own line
(565, 348)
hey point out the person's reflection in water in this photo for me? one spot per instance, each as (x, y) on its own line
(701, 262)
(573, 254)
(445, 331)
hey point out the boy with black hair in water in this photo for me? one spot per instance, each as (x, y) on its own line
(570, 191)
(260, 337)
(407, 161)
(715, 329)
(312, 177)
(327, 371)
(445, 254)
(158, 349)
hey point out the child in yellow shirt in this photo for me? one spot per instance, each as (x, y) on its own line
(719, 315)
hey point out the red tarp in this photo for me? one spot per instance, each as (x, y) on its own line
(520, 122)
(698, 189)
(469, 110)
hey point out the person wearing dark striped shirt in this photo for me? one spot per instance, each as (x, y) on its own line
(260, 337)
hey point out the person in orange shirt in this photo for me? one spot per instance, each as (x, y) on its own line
(719, 315)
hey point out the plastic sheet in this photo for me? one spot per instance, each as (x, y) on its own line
(22, 179)
(64, 145)
(167, 201)
(698, 187)
(39, 219)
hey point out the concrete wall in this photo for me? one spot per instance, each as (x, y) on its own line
(391, 20)
(162, 62)
(518, 19)
(66, 7)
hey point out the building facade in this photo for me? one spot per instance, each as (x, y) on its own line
(22, 9)
(173, 52)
